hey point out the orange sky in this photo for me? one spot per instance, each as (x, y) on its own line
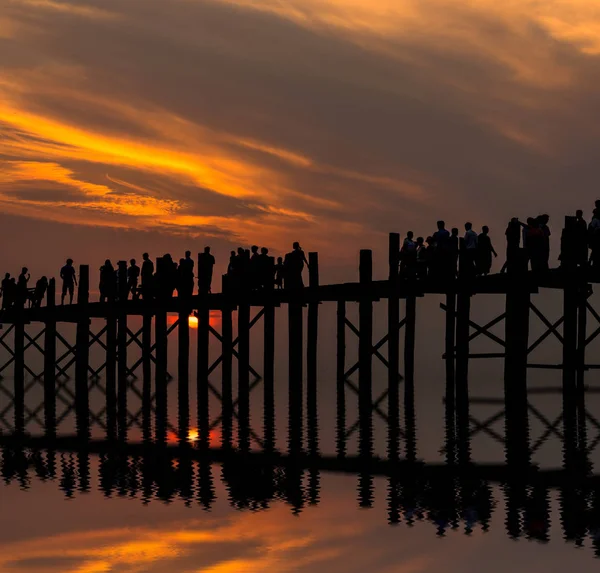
(160, 125)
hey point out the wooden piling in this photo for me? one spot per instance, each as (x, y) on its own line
(341, 379)
(202, 400)
(122, 422)
(226, 367)
(147, 375)
(82, 353)
(183, 373)
(450, 373)
(569, 366)
(311, 358)
(244, 373)
(409, 377)
(463, 312)
(515, 363)
(295, 355)
(365, 352)
(50, 362)
(393, 346)
(269, 368)
(160, 341)
(111, 373)
(19, 373)
(580, 379)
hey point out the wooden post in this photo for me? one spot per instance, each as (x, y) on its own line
(269, 365)
(19, 372)
(463, 312)
(341, 379)
(147, 375)
(515, 363)
(393, 346)
(122, 352)
(160, 340)
(202, 401)
(82, 353)
(365, 352)
(226, 387)
(409, 377)
(50, 362)
(311, 357)
(450, 372)
(295, 406)
(111, 372)
(244, 372)
(580, 382)
(183, 372)
(569, 369)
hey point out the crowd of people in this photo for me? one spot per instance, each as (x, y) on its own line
(436, 256)
(254, 270)
(251, 269)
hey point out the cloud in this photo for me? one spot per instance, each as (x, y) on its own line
(262, 120)
(273, 541)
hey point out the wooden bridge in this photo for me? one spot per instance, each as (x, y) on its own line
(518, 286)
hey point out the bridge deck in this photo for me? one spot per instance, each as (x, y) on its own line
(349, 292)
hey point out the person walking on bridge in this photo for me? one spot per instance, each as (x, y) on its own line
(22, 293)
(67, 274)
(206, 264)
(5, 292)
(485, 250)
(133, 275)
(470, 248)
(147, 274)
(294, 265)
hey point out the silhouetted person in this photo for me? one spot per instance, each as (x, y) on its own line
(41, 286)
(485, 250)
(67, 274)
(12, 291)
(438, 264)
(594, 240)
(543, 221)
(513, 240)
(453, 246)
(5, 291)
(206, 264)
(534, 241)
(441, 235)
(254, 267)
(185, 281)
(581, 238)
(294, 265)
(108, 282)
(232, 263)
(22, 286)
(279, 273)
(133, 275)
(147, 274)
(470, 248)
(408, 255)
(422, 258)
(167, 282)
(265, 271)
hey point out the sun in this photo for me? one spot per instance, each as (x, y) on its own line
(193, 321)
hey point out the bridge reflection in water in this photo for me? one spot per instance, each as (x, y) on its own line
(165, 464)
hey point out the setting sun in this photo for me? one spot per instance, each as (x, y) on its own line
(193, 321)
